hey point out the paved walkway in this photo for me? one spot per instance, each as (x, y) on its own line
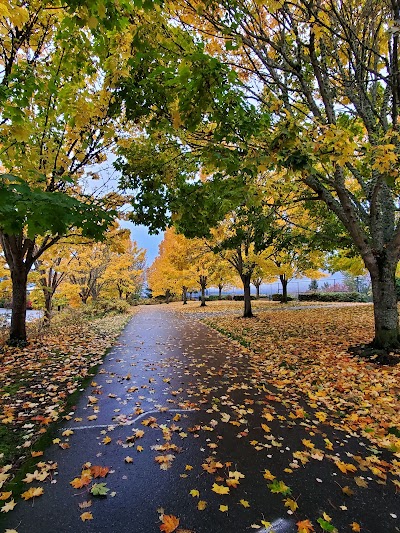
(192, 410)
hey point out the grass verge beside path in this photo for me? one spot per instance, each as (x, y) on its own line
(307, 350)
(41, 382)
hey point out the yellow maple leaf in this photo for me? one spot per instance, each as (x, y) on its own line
(355, 527)
(220, 489)
(268, 475)
(128, 459)
(86, 516)
(245, 503)
(236, 475)
(201, 505)
(292, 504)
(106, 440)
(345, 467)
(5, 495)
(33, 492)
(139, 448)
(8, 506)
(195, 493)
(232, 482)
(223, 508)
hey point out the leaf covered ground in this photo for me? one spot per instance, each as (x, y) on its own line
(309, 349)
(282, 427)
(38, 381)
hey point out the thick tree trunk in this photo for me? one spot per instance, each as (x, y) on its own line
(219, 292)
(284, 282)
(247, 312)
(184, 295)
(383, 282)
(167, 296)
(257, 291)
(19, 277)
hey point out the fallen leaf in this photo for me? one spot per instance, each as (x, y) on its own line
(99, 471)
(169, 523)
(220, 489)
(305, 526)
(8, 506)
(33, 492)
(86, 516)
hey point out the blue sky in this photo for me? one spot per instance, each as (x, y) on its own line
(144, 240)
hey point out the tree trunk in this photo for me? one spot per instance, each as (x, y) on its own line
(167, 296)
(257, 291)
(19, 277)
(385, 307)
(247, 313)
(220, 292)
(184, 295)
(203, 285)
(48, 305)
(284, 282)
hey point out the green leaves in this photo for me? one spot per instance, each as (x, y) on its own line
(42, 212)
(326, 526)
(99, 489)
(279, 487)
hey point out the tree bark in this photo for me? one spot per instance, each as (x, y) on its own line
(19, 277)
(167, 296)
(184, 295)
(48, 305)
(203, 285)
(219, 292)
(284, 282)
(386, 316)
(247, 312)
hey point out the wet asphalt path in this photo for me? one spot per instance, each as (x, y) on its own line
(200, 401)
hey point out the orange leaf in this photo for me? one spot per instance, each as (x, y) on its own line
(305, 526)
(86, 516)
(169, 523)
(99, 471)
(80, 482)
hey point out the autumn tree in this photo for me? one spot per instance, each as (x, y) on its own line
(60, 66)
(124, 272)
(51, 269)
(258, 276)
(328, 73)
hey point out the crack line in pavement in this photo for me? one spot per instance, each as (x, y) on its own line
(136, 419)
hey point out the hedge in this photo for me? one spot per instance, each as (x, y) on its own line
(331, 297)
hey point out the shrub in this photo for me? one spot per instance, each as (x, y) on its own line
(103, 307)
(240, 297)
(332, 297)
(279, 298)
